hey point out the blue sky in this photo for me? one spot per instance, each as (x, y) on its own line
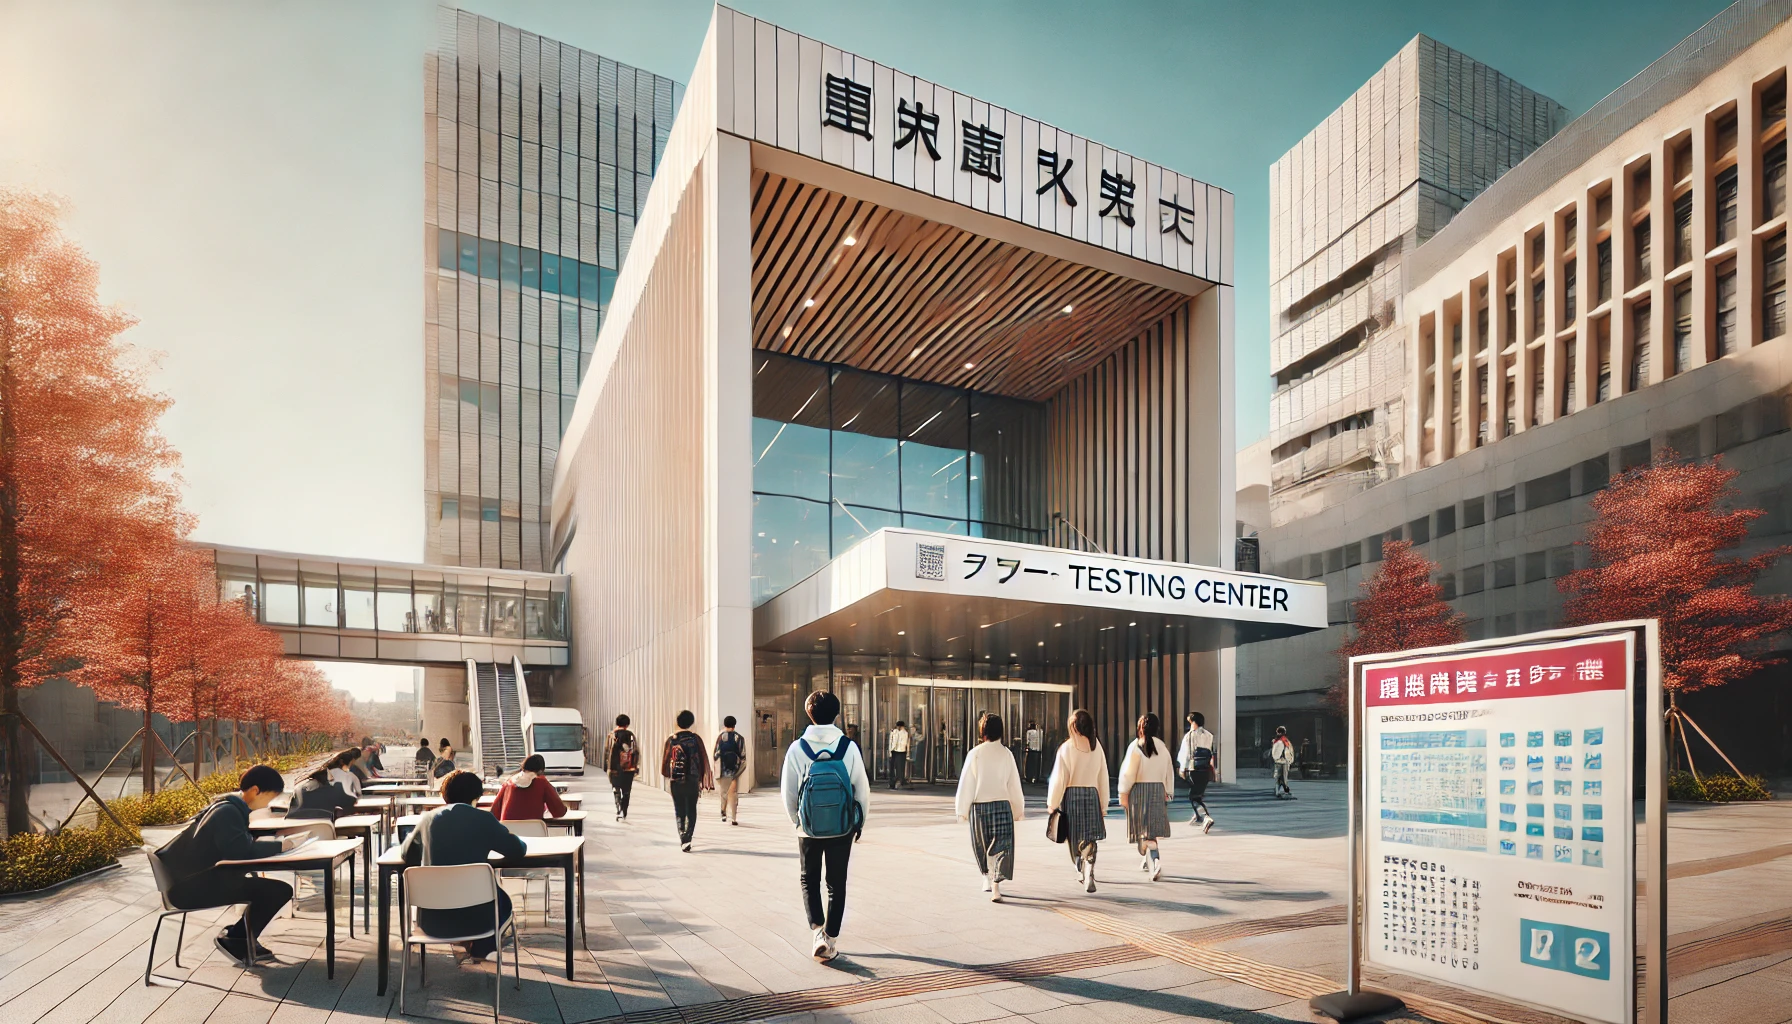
(248, 176)
(1215, 90)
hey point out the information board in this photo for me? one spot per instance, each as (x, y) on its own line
(1498, 843)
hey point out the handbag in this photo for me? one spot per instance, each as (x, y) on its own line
(1057, 827)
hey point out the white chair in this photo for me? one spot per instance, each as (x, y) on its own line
(321, 829)
(533, 827)
(452, 887)
(163, 884)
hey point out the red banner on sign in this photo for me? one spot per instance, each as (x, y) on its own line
(1531, 671)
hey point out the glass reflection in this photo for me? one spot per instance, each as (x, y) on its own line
(865, 419)
(319, 599)
(935, 429)
(853, 523)
(507, 614)
(790, 430)
(790, 541)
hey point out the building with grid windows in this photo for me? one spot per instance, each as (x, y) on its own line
(537, 159)
(1619, 294)
(1348, 205)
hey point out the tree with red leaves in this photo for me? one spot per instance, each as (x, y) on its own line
(1400, 609)
(1654, 553)
(85, 479)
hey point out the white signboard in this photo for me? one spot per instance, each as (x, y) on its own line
(1498, 842)
(942, 563)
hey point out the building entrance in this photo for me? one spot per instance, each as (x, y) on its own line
(939, 715)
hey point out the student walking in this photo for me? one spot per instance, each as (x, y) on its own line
(1079, 790)
(731, 760)
(1281, 754)
(1195, 760)
(460, 833)
(1147, 779)
(685, 765)
(622, 761)
(990, 798)
(222, 833)
(899, 747)
(827, 796)
(1035, 744)
(528, 795)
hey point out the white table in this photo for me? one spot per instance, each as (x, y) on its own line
(323, 855)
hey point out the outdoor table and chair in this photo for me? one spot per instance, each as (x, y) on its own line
(324, 855)
(564, 852)
(351, 826)
(574, 820)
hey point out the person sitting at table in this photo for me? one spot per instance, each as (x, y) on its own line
(459, 833)
(370, 758)
(528, 794)
(444, 765)
(319, 798)
(425, 756)
(220, 833)
(338, 769)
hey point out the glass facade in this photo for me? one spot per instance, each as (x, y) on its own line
(839, 454)
(536, 166)
(393, 599)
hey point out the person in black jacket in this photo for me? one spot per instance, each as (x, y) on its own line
(460, 833)
(222, 833)
(319, 798)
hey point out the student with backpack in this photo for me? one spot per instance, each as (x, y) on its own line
(685, 765)
(1195, 760)
(622, 761)
(828, 796)
(731, 758)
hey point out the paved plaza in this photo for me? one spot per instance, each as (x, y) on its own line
(1245, 924)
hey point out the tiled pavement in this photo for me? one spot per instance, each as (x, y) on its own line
(1241, 920)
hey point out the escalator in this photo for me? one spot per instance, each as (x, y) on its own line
(497, 717)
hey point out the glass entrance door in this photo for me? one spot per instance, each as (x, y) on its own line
(948, 736)
(912, 710)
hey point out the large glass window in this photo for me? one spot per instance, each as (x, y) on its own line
(865, 421)
(320, 601)
(839, 454)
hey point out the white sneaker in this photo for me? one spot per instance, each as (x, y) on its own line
(823, 948)
(995, 892)
(1089, 879)
(987, 883)
(1145, 862)
(1207, 826)
(686, 847)
(1195, 820)
(1157, 869)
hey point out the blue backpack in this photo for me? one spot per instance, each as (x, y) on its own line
(825, 805)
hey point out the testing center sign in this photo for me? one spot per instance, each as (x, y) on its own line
(1498, 848)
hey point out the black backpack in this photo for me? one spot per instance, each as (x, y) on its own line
(683, 761)
(728, 752)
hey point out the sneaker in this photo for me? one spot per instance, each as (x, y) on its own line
(735, 821)
(987, 884)
(1291, 796)
(821, 948)
(1207, 826)
(1089, 879)
(1157, 869)
(995, 892)
(1145, 862)
(618, 816)
(1196, 820)
(232, 948)
(686, 847)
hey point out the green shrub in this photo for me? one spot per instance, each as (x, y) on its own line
(1718, 789)
(35, 860)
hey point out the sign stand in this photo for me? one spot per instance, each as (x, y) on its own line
(1546, 919)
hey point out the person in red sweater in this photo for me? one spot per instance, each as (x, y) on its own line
(528, 794)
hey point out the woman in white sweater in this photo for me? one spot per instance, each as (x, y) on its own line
(1147, 778)
(990, 798)
(1079, 787)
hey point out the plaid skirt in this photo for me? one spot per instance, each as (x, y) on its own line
(992, 838)
(1147, 812)
(1085, 811)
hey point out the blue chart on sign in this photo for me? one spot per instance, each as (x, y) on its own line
(1436, 778)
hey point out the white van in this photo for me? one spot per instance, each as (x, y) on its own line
(558, 735)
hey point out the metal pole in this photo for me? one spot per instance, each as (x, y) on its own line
(1655, 840)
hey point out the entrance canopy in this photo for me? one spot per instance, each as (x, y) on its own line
(947, 597)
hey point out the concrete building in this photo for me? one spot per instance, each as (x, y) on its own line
(537, 158)
(898, 383)
(1348, 205)
(1619, 293)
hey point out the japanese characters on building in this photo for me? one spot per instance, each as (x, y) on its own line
(799, 94)
(1497, 821)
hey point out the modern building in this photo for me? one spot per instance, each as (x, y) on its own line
(537, 159)
(1348, 205)
(1618, 294)
(912, 397)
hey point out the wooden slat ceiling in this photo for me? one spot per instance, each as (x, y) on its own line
(921, 300)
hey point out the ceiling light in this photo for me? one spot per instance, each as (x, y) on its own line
(1042, 643)
(1013, 654)
(970, 366)
(849, 240)
(914, 354)
(1068, 308)
(1056, 624)
(807, 303)
(902, 632)
(787, 332)
(821, 638)
(986, 625)
(1132, 623)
